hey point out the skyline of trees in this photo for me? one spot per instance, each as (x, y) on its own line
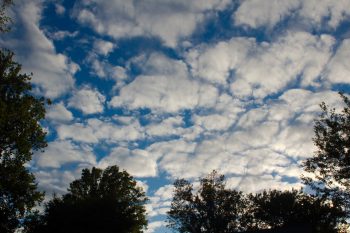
(215, 208)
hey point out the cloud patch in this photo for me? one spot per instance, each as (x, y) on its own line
(53, 72)
(58, 112)
(168, 20)
(103, 47)
(59, 153)
(94, 130)
(313, 13)
(257, 70)
(165, 86)
(338, 69)
(87, 100)
(138, 163)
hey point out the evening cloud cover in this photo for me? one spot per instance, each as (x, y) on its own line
(172, 89)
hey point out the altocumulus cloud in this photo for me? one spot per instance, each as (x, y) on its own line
(175, 89)
(87, 100)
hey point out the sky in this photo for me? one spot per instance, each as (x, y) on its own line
(172, 89)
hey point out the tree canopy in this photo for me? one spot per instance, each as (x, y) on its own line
(103, 201)
(20, 134)
(212, 209)
(330, 165)
(293, 208)
(215, 208)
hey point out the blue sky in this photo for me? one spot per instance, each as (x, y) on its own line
(177, 88)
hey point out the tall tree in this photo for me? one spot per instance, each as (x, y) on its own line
(20, 135)
(289, 209)
(330, 165)
(103, 201)
(212, 209)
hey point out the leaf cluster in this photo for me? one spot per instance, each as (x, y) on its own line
(20, 134)
(100, 201)
(214, 208)
(4, 19)
(330, 165)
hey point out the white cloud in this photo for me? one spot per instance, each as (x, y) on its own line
(168, 126)
(261, 182)
(257, 13)
(103, 69)
(152, 226)
(53, 72)
(88, 101)
(60, 10)
(315, 11)
(165, 86)
(280, 63)
(78, 132)
(160, 201)
(116, 133)
(214, 122)
(259, 69)
(138, 163)
(168, 20)
(59, 153)
(165, 193)
(94, 130)
(338, 70)
(54, 181)
(60, 35)
(58, 112)
(213, 63)
(103, 47)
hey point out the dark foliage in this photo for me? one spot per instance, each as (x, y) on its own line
(212, 209)
(20, 134)
(20, 113)
(101, 201)
(330, 164)
(287, 209)
(4, 19)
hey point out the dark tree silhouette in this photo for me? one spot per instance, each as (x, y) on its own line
(330, 165)
(287, 209)
(212, 209)
(102, 201)
(20, 134)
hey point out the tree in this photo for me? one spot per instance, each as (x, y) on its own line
(330, 165)
(4, 19)
(212, 209)
(289, 209)
(103, 201)
(20, 135)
